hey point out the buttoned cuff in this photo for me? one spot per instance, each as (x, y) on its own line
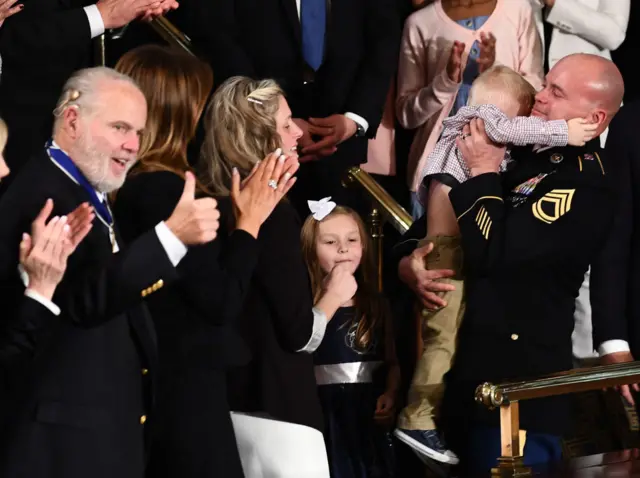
(613, 346)
(358, 119)
(317, 334)
(174, 248)
(95, 20)
(558, 15)
(32, 294)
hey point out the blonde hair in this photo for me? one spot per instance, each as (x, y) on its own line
(500, 82)
(241, 129)
(371, 308)
(4, 135)
(176, 86)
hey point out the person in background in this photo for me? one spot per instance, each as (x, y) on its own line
(581, 26)
(193, 435)
(43, 258)
(445, 46)
(503, 99)
(62, 419)
(355, 365)
(245, 121)
(40, 50)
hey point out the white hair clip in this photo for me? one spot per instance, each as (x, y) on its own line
(253, 100)
(321, 209)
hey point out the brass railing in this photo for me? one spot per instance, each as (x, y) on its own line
(507, 397)
(383, 208)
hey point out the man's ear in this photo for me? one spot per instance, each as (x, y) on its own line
(70, 121)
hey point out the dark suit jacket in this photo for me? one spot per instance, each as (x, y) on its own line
(40, 48)
(615, 275)
(197, 343)
(262, 39)
(277, 321)
(75, 409)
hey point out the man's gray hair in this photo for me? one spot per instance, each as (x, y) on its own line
(81, 90)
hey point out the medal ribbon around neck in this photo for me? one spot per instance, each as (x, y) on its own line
(64, 161)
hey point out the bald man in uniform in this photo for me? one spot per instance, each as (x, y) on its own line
(528, 238)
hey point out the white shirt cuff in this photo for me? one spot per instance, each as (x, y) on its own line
(53, 308)
(358, 119)
(613, 346)
(317, 334)
(174, 248)
(95, 20)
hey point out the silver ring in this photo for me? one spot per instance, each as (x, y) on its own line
(464, 136)
(273, 184)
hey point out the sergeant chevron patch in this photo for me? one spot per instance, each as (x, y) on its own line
(484, 222)
(553, 205)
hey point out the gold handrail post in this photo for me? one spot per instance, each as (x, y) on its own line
(376, 229)
(510, 463)
(100, 51)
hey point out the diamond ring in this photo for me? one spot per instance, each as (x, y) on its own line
(273, 184)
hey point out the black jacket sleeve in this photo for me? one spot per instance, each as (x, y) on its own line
(611, 270)
(214, 278)
(379, 64)
(21, 334)
(556, 224)
(38, 31)
(283, 278)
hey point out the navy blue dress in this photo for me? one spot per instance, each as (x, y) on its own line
(349, 384)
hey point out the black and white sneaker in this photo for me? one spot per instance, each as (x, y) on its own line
(427, 443)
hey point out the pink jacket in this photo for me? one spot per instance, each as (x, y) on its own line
(425, 92)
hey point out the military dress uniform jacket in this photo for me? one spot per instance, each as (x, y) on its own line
(528, 238)
(78, 407)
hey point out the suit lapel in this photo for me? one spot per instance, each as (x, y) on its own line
(291, 12)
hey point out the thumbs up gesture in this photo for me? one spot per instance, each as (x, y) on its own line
(194, 221)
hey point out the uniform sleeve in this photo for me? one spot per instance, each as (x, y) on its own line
(555, 224)
(525, 130)
(22, 332)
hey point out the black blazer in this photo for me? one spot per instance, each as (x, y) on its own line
(75, 409)
(17, 337)
(277, 320)
(193, 435)
(615, 275)
(263, 39)
(40, 48)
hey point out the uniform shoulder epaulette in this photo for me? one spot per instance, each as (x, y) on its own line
(590, 162)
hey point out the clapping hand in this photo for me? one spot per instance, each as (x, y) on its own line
(454, 65)
(487, 56)
(44, 252)
(257, 195)
(9, 8)
(118, 13)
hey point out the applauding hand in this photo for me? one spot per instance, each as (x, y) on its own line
(9, 8)
(44, 253)
(255, 198)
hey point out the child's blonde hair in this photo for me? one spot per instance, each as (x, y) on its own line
(4, 134)
(500, 81)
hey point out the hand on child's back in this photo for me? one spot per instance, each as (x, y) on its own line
(580, 131)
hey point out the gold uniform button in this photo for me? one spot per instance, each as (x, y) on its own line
(515, 336)
(143, 419)
(145, 371)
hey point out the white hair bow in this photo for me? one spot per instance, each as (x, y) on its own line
(321, 209)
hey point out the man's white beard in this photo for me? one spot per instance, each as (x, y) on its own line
(96, 165)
